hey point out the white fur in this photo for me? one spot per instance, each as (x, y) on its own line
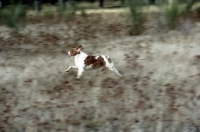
(80, 65)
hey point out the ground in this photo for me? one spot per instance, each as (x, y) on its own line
(159, 90)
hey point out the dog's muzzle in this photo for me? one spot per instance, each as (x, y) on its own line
(69, 54)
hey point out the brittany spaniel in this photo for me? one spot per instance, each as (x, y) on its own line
(85, 62)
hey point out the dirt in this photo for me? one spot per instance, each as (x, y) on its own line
(159, 90)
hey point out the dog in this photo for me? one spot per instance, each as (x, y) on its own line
(86, 62)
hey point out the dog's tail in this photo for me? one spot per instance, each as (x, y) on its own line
(112, 68)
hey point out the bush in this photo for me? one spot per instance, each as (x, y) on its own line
(189, 6)
(197, 10)
(137, 19)
(13, 15)
(83, 12)
(172, 15)
(67, 12)
(48, 14)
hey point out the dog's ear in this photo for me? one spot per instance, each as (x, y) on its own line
(79, 48)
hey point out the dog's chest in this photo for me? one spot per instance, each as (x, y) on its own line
(79, 60)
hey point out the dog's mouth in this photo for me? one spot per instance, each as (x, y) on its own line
(69, 55)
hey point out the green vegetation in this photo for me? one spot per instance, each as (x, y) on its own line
(189, 6)
(48, 14)
(137, 18)
(71, 10)
(67, 12)
(171, 15)
(197, 10)
(83, 12)
(13, 16)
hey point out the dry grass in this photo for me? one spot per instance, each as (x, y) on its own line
(159, 90)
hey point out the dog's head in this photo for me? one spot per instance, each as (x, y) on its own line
(75, 51)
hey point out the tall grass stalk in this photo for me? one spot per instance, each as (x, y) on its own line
(171, 14)
(136, 16)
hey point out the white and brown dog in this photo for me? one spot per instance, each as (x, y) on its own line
(85, 62)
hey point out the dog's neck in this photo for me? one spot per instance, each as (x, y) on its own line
(81, 55)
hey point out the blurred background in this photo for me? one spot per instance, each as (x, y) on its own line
(153, 43)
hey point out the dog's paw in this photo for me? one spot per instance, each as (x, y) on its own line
(66, 70)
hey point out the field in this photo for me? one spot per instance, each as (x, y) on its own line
(159, 90)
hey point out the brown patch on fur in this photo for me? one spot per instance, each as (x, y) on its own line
(76, 50)
(91, 60)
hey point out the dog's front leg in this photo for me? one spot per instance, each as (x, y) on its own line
(79, 74)
(74, 67)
